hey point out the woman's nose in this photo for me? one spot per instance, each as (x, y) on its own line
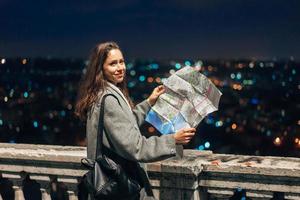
(121, 66)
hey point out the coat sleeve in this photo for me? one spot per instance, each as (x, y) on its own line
(127, 141)
(140, 111)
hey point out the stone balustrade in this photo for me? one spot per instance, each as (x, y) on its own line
(199, 175)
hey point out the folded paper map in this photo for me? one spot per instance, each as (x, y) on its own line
(189, 97)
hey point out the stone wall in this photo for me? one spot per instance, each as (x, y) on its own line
(197, 175)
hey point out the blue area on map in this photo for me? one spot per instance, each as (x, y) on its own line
(172, 126)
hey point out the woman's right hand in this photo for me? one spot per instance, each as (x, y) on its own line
(183, 136)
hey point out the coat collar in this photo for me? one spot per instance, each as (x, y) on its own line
(118, 91)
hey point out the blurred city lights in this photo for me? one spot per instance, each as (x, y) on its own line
(35, 124)
(248, 82)
(177, 65)
(151, 129)
(216, 82)
(49, 89)
(219, 124)
(18, 129)
(63, 113)
(3, 61)
(251, 65)
(239, 76)
(237, 87)
(277, 141)
(157, 80)
(271, 64)
(187, 63)
(282, 113)
(132, 72)
(11, 93)
(172, 71)
(251, 111)
(254, 101)
(129, 66)
(154, 66)
(70, 106)
(44, 127)
(210, 68)
(240, 65)
(201, 147)
(209, 120)
(150, 79)
(261, 64)
(25, 94)
(198, 64)
(206, 145)
(24, 61)
(84, 70)
(142, 78)
(234, 126)
(131, 84)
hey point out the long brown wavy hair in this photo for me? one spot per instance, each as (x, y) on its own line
(94, 82)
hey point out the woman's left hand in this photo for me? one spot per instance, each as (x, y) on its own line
(155, 94)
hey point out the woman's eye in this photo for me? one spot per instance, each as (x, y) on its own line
(113, 64)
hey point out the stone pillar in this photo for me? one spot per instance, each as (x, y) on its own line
(72, 195)
(45, 194)
(18, 193)
(179, 187)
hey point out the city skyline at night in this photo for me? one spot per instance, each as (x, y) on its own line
(258, 112)
(249, 49)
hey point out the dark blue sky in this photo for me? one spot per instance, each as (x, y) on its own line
(152, 28)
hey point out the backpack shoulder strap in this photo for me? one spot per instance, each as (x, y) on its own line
(99, 151)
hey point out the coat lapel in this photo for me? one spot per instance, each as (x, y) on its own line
(123, 103)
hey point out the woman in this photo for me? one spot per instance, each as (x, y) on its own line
(106, 75)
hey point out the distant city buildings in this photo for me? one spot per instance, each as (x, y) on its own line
(259, 112)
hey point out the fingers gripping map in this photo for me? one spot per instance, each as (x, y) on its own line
(189, 97)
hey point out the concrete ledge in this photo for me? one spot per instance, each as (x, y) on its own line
(198, 175)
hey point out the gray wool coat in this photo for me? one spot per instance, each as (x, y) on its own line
(122, 134)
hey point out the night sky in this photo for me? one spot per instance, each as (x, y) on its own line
(261, 29)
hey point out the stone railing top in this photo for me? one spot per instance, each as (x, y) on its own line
(196, 162)
(42, 152)
(193, 162)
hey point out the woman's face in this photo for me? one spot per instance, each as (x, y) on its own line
(114, 67)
